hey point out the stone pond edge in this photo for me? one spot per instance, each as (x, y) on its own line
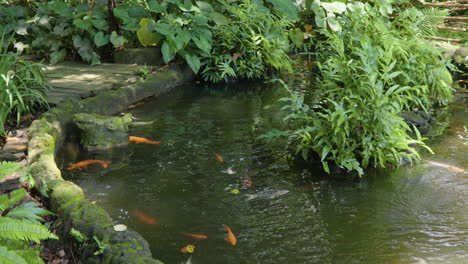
(66, 198)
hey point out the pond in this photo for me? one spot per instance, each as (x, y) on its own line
(283, 212)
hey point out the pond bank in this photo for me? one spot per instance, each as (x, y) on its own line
(65, 198)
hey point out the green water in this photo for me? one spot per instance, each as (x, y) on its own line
(389, 216)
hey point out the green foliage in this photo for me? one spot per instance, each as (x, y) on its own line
(22, 87)
(8, 167)
(371, 70)
(61, 30)
(249, 42)
(184, 28)
(101, 246)
(19, 226)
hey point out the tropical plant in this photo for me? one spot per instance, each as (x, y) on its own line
(184, 28)
(371, 69)
(59, 30)
(22, 87)
(19, 226)
(249, 41)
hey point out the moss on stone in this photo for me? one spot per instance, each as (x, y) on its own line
(99, 132)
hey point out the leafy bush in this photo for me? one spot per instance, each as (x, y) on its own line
(22, 87)
(20, 225)
(249, 41)
(184, 28)
(60, 30)
(371, 70)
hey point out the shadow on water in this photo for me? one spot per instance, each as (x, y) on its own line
(389, 216)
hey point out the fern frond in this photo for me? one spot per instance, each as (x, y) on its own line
(8, 167)
(15, 196)
(432, 17)
(10, 257)
(29, 211)
(11, 228)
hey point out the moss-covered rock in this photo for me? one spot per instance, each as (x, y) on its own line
(100, 132)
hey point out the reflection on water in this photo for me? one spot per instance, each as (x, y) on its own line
(390, 216)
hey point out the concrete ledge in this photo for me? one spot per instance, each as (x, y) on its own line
(65, 197)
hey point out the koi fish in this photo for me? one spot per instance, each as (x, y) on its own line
(229, 171)
(218, 157)
(246, 181)
(141, 140)
(446, 166)
(230, 238)
(143, 217)
(188, 249)
(197, 236)
(85, 163)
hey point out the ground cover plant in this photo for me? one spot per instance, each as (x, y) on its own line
(22, 88)
(19, 225)
(223, 38)
(371, 69)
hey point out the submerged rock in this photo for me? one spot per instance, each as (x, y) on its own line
(100, 132)
(420, 119)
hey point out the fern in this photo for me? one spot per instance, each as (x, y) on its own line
(30, 211)
(8, 167)
(10, 257)
(11, 228)
(432, 17)
(15, 196)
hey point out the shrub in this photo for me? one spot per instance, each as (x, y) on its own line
(249, 42)
(22, 87)
(371, 69)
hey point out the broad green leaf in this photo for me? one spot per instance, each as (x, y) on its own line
(121, 13)
(184, 35)
(57, 56)
(219, 19)
(193, 61)
(61, 8)
(163, 28)
(100, 39)
(167, 53)
(117, 40)
(285, 7)
(205, 7)
(333, 22)
(83, 24)
(334, 7)
(202, 43)
(154, 6)
(100, 24)
(297, 36)
(145, 36)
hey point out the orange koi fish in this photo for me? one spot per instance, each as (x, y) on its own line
(218, 157)
(143, 217)
(446, 166)
(197, 236)
(85, 163)
(230, 238)
(246, 181)
(141, 140)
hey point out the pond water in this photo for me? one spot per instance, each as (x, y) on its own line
(389, 216)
